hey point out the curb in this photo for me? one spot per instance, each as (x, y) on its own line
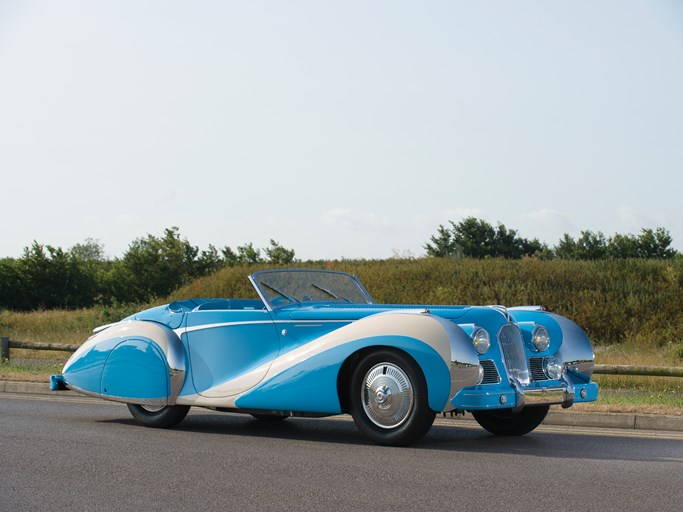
(626, 421)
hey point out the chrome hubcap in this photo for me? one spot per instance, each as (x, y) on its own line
(152, 408)
(387, 395)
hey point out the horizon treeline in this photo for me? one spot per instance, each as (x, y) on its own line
(47, 277)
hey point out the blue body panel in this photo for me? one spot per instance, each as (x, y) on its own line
(136, 369)
(225, 344)
(85, 372)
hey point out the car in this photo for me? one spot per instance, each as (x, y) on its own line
(315, 344)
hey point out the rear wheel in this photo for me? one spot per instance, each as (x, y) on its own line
(388, 398)
(503, 422)
(164, 416)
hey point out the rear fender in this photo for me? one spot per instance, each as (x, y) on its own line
(133, 361)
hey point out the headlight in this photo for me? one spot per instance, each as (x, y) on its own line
(553, 368)
(481, 340)
(540, 338)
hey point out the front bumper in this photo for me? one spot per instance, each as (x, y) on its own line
(514, 396)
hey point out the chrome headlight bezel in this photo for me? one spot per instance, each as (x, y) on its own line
(540, 339)
(481, 340)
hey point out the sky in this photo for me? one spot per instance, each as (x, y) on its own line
(340, 129)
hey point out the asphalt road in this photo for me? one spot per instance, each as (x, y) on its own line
(63, 453)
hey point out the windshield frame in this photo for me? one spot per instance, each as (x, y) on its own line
(262, 288)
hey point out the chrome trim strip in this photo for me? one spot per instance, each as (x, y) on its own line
(527, 308)
(113, 398)
(299, 323)
(183, 330)
(501, 309)
(258, 290)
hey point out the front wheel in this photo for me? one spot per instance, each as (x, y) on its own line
(388, 398)
(503, 422)
(165, 416)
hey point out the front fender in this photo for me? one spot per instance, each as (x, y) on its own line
(133, 361)
(568, 342)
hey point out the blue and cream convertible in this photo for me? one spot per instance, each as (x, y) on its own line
(315, 344)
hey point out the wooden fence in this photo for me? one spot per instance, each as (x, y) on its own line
(600, 369)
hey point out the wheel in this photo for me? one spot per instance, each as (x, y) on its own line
(270, 417)
(388, 398)
(164, 416)
(504, 422)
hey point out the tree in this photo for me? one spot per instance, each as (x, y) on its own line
(476, 238)
(208, 262)
(650, 244)
(229, 256)
(50, 278)
(443, 245)
(566, 248)
(248, 255)
(591, 246)
(655, 244)
(153, 267)
(278, 255)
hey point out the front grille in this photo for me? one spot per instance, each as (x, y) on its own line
(512, 344)
(536, 368)
(491, 375)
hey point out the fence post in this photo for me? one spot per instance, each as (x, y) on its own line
(4, 354)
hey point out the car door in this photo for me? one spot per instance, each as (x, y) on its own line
(230, 351)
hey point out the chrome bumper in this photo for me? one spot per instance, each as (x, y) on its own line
(563, 395)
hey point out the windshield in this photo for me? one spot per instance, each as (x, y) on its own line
(284, 287)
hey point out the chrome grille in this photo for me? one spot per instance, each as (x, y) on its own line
(512, 345)
(491, 375)
(536, 368)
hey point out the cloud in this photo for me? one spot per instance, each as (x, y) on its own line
(357, 221)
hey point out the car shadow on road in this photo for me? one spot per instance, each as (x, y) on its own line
(443, 438)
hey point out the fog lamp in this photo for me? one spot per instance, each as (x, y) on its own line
(481, 375)
(553, 368)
